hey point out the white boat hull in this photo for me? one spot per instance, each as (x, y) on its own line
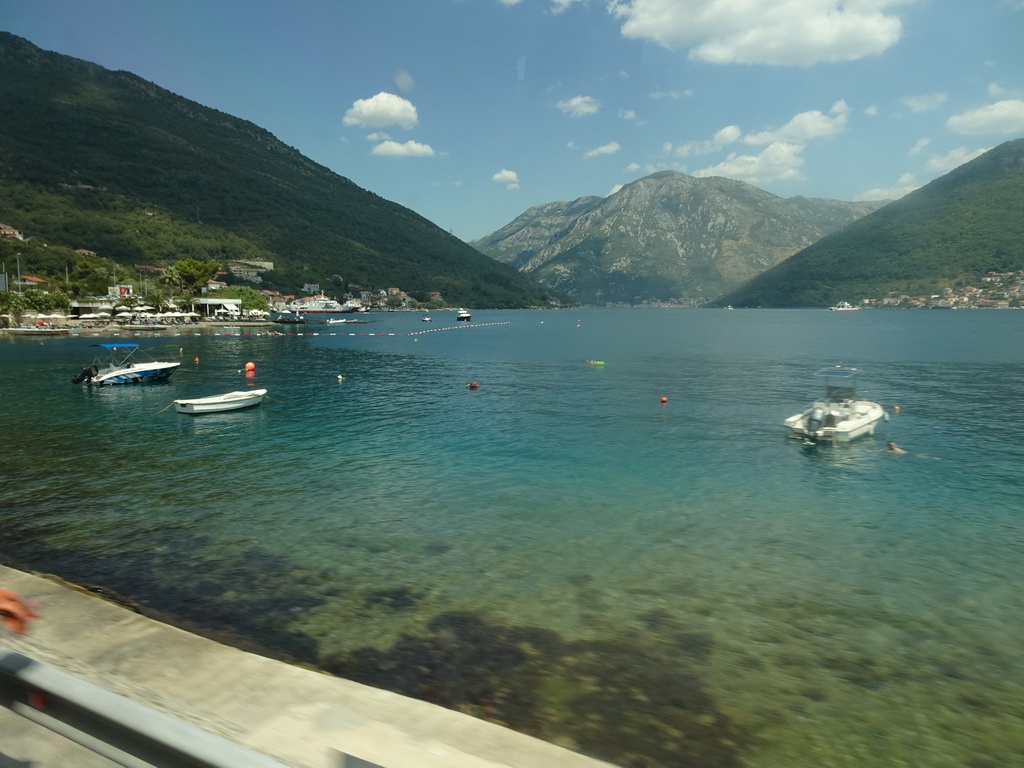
(839, 423)
(231, 401)
(136, 373)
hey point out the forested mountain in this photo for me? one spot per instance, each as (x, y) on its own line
(668, 236)
(948, 233)
(106, 161)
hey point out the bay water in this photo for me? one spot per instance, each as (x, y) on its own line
(630, 559)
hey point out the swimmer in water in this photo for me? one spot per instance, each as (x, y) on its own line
(891, 447)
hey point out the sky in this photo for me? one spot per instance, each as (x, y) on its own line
(469, 112)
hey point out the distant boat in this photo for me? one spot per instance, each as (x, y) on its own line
(425, 319)
(843, 306)
(729, 306)
(231, 401)
(287, 318)
(123, 368)
(463, 314)
(342, 321)
(322, 305)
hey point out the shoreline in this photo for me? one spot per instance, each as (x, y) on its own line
(300, 716)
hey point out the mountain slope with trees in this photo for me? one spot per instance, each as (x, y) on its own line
(948, 233)
(86, 153)
(666, 237)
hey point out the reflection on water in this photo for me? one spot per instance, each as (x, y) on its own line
(653, 583)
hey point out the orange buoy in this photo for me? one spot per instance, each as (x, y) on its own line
(197, 361)
(250, 366)
(664, 400)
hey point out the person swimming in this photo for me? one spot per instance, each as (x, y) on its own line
(891, 447)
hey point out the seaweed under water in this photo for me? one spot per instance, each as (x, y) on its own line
(621, 701)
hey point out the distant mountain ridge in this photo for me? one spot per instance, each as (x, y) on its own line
(948, 233)
(67, 125)
(668, 236)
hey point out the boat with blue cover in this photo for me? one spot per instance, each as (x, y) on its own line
(121, 366)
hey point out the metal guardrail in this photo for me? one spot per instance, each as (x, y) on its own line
(123, 731)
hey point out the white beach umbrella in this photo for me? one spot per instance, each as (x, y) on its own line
(103, 314)
(123, 314)
(89, 316)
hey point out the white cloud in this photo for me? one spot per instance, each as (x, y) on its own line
(408, 149)
(925, 103)
(381, 110)
(918, 148)
(907, 183)
(776, 162)
(509, 2)
(806, 126)
(953, 159)
(607, 149)
(784, 32)
(403, 81)
(627, 114)
(781, 157)
(722, 138)
(657, 95)
(1001, 117)
(558, 6)
(509, 178)
(377, 136)
(871, 111)
(579, 106)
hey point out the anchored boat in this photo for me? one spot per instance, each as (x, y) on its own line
(839, 416)
(122, 367)
(231, 401)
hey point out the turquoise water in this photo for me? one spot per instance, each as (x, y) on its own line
(652, 583)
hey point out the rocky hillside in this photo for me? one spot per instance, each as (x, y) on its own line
(668, 236)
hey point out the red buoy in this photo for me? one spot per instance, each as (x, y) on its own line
(250, 366)
(664, 400)
(473, 385)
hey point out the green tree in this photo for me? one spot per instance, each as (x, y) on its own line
(251, 298)
(194, 273)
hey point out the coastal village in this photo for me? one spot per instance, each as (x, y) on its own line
(994, 290)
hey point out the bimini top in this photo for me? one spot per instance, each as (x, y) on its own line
(838, 373)
(117, 346)
(839, 383)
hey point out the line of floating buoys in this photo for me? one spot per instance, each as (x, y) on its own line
(461, 325)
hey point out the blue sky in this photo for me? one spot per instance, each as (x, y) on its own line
(471, 111)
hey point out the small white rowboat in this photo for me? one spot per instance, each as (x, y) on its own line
(232, 401)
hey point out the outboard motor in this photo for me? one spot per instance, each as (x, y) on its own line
(814, 421)
(86, 375)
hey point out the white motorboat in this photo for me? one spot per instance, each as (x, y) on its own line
(342, 321)
(322, 305)
(839, 416)
(844, 306)
(425, 319)
(122, 367)
(463, 314)
(230, 401)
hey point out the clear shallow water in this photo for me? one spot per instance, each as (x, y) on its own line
(653, 584)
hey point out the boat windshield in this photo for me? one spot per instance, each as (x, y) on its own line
(839, 383)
